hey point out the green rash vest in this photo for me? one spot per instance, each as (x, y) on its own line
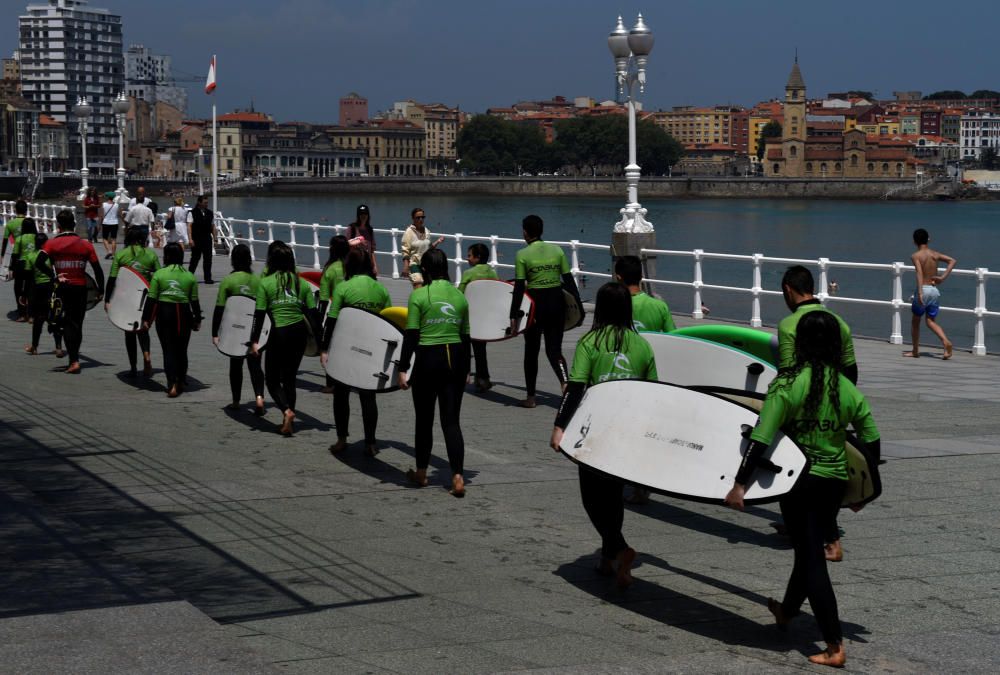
(173, 284)
(651, 314)
(481, 271)
(440, 312)
(143, 260)
(788, 327)
(24, 245)
(237, 283)
(29, 263)
(359, 291)
(541, 265)
(596, 360)
(13, 228)
(276, 294)
(332, 276)
(821, 437)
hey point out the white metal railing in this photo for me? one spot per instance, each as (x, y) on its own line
(44, 214)
(306, 237)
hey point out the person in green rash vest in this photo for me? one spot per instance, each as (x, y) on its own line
(361, 291)
(173, 300)
(24, 243)
(813, 403)
(333, 274)
(437, 331)
(40, 294)
(290, 302)
(478, 258)
(11, 231)
(542, 270)
(610, 350)
(241, 282)
(136, 255)
(797, 287)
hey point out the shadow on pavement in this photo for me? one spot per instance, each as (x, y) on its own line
(699, 522)
(374, 467)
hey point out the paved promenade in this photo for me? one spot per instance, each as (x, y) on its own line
(146, 534)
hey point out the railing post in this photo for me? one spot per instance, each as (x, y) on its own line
(896, 337)
(291, 236)
(250, 239)
(458, 258)
(315, 227)
(755, 320)
(494, 254)
(394, 233)
(270, 232)
(574, 252)
(979, 345)
(696, 312)
(824, 280)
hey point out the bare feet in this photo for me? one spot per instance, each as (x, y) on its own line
(235, 405)
(173, 392)
(417, 476)
(833, 656)
(457, 486)
(287, 424)
(33, 351)
(259, 409)
(605, 568)
(780, 619)
(625, 559)
(528, 402)
(60, 353)
(74, 368)
(371, 450)
(147, 368)
(947, 351)
(834, 551)
(339, 446)
(912, 353)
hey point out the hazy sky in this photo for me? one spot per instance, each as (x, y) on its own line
(296, 58)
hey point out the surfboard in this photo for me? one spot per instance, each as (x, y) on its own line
(237, 324)
(312, 342)
(312, 276)
(575, 312)
(92, 293)
(397, 315)
(489, 310)
(365, 350)
(5, 262)
(126, 303)
(760, 343)
(689, 361)
(864, 483)
(675, 440)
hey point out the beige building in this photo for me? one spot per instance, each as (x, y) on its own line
(690, 125)
(230, 151)
(391, 147)
(441, 125)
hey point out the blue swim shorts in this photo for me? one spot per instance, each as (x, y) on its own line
(931, 306)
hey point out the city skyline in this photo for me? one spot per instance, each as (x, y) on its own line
(269, 55)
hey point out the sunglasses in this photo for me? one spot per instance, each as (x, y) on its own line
(418, 217)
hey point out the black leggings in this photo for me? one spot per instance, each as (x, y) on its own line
(282, 358)
(808, 511)
(74, 302)
(482, 367)
(173, 327)
(21, 280)
(202, 249)
(550, 316)
(130, 339)
(342, 411)
(236, 376)
(439, 376)
(41, 295)
(602, 500)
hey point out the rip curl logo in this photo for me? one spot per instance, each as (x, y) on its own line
(639, 325)
(174, 289)
(621, 369)
(446, 308)
(622, 362)
(245, 290)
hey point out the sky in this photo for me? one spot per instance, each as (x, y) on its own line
(294, 59)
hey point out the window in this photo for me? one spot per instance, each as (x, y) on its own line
(793, 151)
(885, 167)
(777, 169)
(809, 167)
(871, 167)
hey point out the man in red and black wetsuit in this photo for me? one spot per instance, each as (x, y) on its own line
(70, 255)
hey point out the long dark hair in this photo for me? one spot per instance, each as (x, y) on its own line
(434, 265)
(356, 228)
(240, 258)
(339, 247)
(173, 254)
(612, 317)
(281, 262)
(28, 226)
(136, 236)
(358, 261)
(818, 345)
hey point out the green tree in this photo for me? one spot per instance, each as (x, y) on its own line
(492, 145)
(984, 93)
(589, 143)
(771, 130)
(988, 159)
(946, 94)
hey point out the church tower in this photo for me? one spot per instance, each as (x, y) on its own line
(793, 131)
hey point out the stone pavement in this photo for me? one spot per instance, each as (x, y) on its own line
(144, 534)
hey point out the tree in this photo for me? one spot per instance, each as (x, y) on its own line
(589, 143)
(771, 130)
(984, 93)
(492, 145)
(988, 159)
(946, 94)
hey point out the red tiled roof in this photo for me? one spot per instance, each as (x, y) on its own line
(243, 117)
(46, 121)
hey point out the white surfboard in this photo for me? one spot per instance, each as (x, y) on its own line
(237, 324)
(92, 293)
(365, 350)
(312, 341)
(575, 312)
(128, 300)
(5, 262)
(864, 483)
(489, 310)
(674, 440)
(687, 362)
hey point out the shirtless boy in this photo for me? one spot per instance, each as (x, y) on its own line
(926, 298)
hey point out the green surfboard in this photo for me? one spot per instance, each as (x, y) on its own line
(759, 343)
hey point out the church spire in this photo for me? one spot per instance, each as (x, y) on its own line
(795, 80)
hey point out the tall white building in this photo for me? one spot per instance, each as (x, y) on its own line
(980, 129)
(148, 77)
(69, 50)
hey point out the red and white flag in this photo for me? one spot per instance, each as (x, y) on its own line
(210, 82)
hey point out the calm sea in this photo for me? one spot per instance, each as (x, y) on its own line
(877, 232)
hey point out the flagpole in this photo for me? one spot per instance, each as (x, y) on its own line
(215, 152)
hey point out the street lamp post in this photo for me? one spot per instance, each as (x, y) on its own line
(121, 106)
(631, 50)
(83, 111)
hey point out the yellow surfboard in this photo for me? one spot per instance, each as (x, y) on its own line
(397, 315)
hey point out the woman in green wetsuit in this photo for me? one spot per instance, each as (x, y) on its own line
(242, 281)
(173, 300)
(437, 331)
(813, 402)
(142, 259)
(290, 303)
(611, 350)
(24, 243)
(333, 274)
(40, 294)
